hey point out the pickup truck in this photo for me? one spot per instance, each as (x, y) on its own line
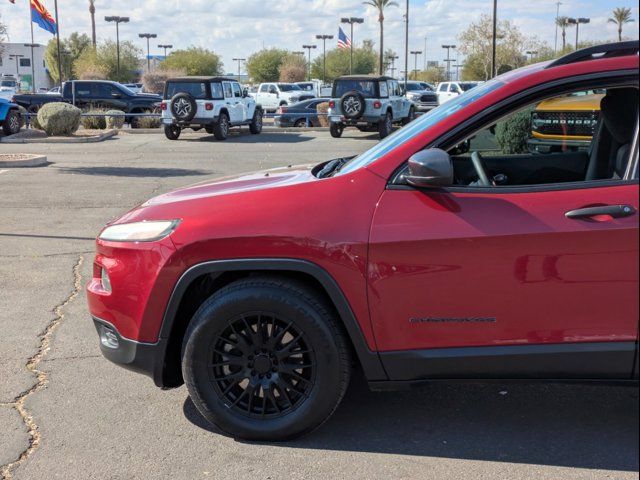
(95, 94)
(274, 95)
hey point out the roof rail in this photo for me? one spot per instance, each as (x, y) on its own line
(599, 51)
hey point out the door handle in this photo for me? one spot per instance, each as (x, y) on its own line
(614, 211)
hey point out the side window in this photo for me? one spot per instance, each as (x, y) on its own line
(228, 90)
(453, 88)
(82, 89)
(578, 136)
(273, 89)
(237, 92)
(216, 91)
(443, 87)
(384, 89)
(264, 88)
(101, 90)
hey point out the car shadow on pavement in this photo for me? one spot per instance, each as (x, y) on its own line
(581, 426)
(134, 172)
(246, 137)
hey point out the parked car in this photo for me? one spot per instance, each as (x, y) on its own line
(566, 123)
(448, 90)
(422, 95)
(8, 87)
(409, 262)
(301, 114)
(10, 119)
(274, 95)
(316, 88)
(214, 104)
(95, 94)
(369, 103)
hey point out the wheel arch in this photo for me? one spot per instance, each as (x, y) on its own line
(203, 280)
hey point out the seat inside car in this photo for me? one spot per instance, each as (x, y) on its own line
(618, 119)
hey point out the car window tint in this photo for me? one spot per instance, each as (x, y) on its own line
(237, 92)
(366, 87)
(442, 87)
(216, 91)
(384, 90)
(197, 90)
(228, 90)
(264, 88)
(467, 86)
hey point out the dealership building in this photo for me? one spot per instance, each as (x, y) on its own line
(16, 60)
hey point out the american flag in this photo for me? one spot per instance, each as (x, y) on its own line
(343, 40)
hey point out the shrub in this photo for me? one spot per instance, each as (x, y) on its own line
(323, 109)
(513, 133)
(59, 118)
(153, 82)
(148, 122)
(115, 119)
(92, 121)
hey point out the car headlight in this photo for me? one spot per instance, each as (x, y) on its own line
(139, 231)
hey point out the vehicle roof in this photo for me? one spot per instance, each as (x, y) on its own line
(202, 79)
(365, 77)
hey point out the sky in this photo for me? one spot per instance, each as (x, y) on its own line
(238, 28)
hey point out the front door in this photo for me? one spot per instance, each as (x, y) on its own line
(482, 281)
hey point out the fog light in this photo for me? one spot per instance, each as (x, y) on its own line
(104, 279)
(108, 337)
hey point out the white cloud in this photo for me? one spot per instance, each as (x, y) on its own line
(237, 28)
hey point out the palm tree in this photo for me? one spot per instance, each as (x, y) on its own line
(563, 23)
(381, 5)
(621, 16)
(92, 11)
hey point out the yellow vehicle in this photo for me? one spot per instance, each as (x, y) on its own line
(566, 123)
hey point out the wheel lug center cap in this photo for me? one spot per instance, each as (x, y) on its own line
(262, 364)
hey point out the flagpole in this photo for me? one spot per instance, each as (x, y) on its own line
(58, 41)
(33, 60)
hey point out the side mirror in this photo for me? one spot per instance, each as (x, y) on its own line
(430, 168)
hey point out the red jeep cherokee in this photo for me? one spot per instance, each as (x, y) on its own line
(447, 251)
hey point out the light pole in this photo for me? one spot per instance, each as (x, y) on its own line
(309, 48)
(448, 60)
(351, 21)
(577, 22)
(555, 48)
(494, 41)
(532, 53)
(393, 59)
(425, 53)
(324, 39)
(415, 54)
(239, 60)
(166, 47)
(457, 66)
(118, 21)
(406, 46)
(148, 36)
(33, 70)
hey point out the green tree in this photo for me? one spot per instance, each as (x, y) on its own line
(71, 49)
(130, 54)
(293, 69)
(431, 75)
(89, 67)
(380, 5)
(264, 66)
(194, 61)
(621, 16)
(476, 44)
(364, 62)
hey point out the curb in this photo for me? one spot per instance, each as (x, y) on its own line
(265, 129)
(33, 161)
(94, 139)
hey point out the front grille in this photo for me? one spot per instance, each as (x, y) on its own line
(429, 98)
(566, 124)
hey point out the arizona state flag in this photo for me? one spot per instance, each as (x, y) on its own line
(42, 17)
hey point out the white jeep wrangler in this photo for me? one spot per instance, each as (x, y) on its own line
(369, 103)
(214, 104)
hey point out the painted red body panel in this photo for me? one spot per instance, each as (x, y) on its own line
(400, 253)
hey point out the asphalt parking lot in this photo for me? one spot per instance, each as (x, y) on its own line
(65, 412)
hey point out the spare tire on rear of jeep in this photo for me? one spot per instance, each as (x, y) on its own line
(353, 105)
(183, 107)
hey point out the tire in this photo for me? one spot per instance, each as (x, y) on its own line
(246, 386)
(385, 126)
(410, 118)
(336, 130)
(300, 123)
(183, 107)
(172, 132)
(221, 127)
(353, 105)
(255, 127)
(12, 123)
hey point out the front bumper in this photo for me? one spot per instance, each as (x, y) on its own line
(425, 107)
(144, 358)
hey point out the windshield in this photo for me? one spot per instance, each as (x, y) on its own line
(418, 126)
(197, 90)
(7, 83)
(467, 86)
(285, 87)
(414, 87)
(366, 87)
(126, 89)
